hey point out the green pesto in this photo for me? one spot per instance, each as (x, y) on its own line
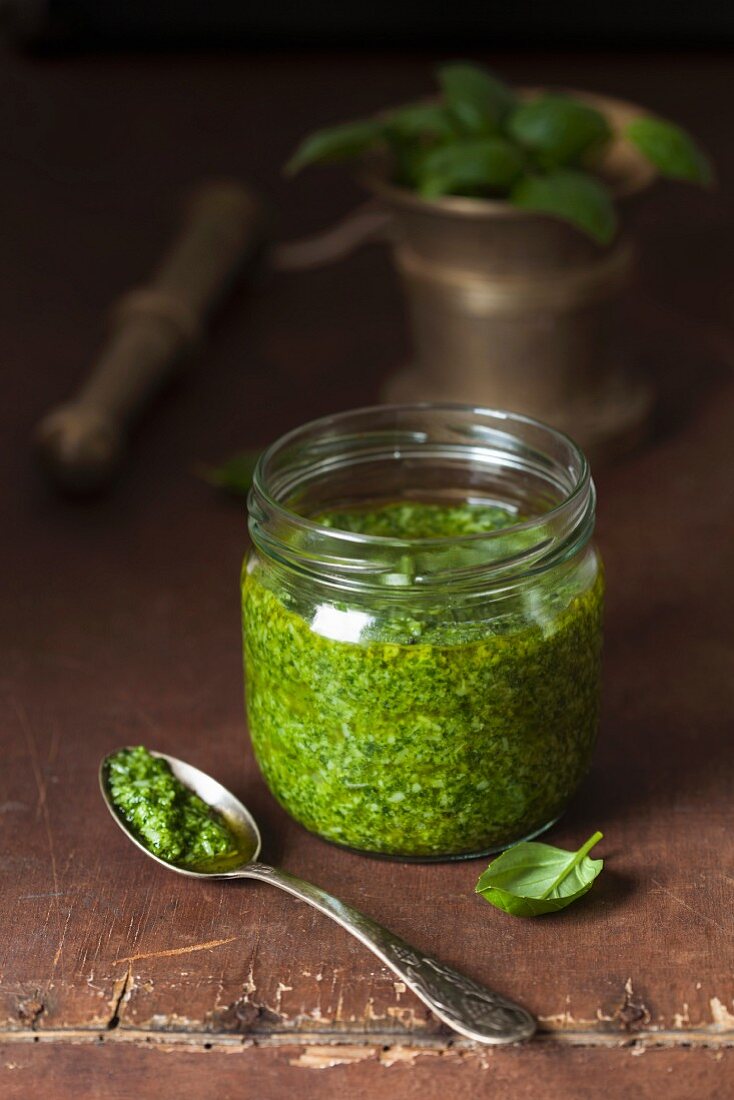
(435, 734)
(166, 817)
(419, 520)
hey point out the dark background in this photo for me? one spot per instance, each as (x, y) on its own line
(383, 23)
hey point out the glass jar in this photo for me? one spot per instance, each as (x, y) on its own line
(423, 697)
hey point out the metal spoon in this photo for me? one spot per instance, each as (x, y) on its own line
(463, 1004)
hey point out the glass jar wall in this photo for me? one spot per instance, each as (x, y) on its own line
(422, 627)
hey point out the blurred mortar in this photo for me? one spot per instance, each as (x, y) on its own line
(517, 310)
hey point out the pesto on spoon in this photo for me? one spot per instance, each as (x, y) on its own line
(463, 1004)
(168, 818)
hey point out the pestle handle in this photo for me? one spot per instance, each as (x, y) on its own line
(81, 442)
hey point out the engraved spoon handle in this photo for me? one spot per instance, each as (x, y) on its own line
(463, 1004)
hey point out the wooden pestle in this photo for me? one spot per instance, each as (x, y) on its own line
(81, 442)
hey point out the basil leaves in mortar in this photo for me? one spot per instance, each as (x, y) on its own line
(530, 878)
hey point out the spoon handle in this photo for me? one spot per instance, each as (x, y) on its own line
(463, 1004)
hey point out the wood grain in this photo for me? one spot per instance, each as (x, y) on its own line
(117, 1072)
(120, 624)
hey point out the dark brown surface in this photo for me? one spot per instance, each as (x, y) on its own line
(120, 624)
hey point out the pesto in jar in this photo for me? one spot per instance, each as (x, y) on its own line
(432, 733)
(168, 818)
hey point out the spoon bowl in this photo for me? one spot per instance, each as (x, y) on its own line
(463, 1004)
(238, 818)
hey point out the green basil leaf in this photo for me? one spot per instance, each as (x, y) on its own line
(420, 120)
(573, 196)
(234, 475)
(475, 98)
(673, 152)
(530, 879)
(337, 143)
(557, 129)
(491, 164)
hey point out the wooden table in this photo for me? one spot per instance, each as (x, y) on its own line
(120, 624)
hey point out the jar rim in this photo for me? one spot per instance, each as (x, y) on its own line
(575, 504)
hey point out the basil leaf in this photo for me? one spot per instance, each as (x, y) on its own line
(573, 196)
(673, 152)
(475, 166)
(530, 879)
(557, 129)
(410, 130)
(475, 98)
(420, 120)
(337, 143)
(234, 475)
